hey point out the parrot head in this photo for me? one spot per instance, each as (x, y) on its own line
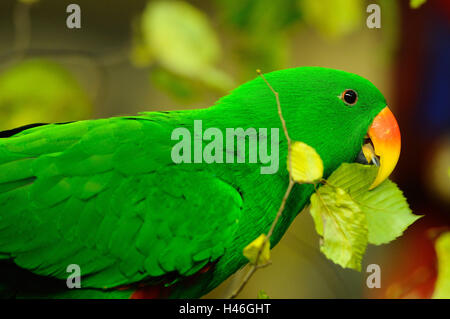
(342, 115)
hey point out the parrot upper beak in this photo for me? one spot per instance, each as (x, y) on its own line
(384, 135)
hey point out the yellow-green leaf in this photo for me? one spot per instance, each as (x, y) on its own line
(342, 224)
(387, 211)
(306, 164)
(333, 18)
(252, 250)
(181, 39)
(262, 295)
(442, 286)
(416, 3)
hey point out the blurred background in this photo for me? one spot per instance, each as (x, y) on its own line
(138, 55)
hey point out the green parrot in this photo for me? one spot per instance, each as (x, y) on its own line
(106, 196)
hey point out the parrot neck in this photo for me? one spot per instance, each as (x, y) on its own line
(262, 194)
(261, 190)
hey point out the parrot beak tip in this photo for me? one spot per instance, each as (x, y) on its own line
(382, 146)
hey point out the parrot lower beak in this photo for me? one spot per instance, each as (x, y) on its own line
(384, 149)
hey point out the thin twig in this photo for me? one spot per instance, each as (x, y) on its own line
(283, 122)
(281, 209)
(280, 114)
(255, 267)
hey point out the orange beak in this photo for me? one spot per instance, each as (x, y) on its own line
(385, 136)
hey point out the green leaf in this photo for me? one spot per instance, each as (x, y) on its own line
(260, 17)
(262, 295)
(341, 223)
(306, 164)
(262, 31)
(333, 18)
(140, 54)
(415, 4)
(252, 250)
(181, 39)
(388, 213)
(177, 86)
(442, 286)
(40, 91)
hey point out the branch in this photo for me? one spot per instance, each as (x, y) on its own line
(255, 267)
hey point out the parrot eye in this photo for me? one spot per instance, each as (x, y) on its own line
(349, 97)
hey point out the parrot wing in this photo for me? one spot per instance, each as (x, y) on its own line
(106, 196)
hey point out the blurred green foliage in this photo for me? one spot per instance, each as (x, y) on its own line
(260, 31)
(442, 287)
(416, 3)
(263, 295)
(180, 39)
(37, 90)
(334, 18)
(180, 44)
(191, 50)
(180, 87)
